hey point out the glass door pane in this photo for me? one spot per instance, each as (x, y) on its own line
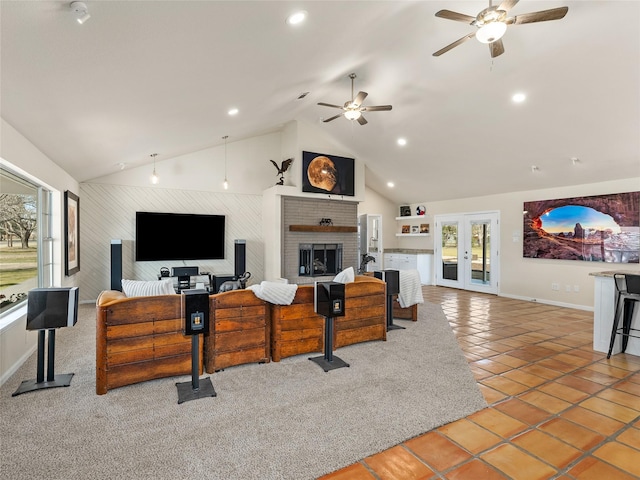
(480, 253)
(450, 251)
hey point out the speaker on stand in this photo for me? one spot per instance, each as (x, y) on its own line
(116, 265)
(240, 258)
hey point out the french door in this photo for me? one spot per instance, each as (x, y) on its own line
(466, 251)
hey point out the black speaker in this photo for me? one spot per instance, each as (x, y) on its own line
(328, 299)
(392, 279)
(240, 258)
(195, 311)
(116, 265)
(184, 271)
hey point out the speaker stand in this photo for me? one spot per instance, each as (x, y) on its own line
(390, 324)
(328, 361)
(194, 389)
(53, 380)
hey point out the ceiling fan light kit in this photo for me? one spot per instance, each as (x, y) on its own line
(492, 24)
(491, 32)
(352, 109)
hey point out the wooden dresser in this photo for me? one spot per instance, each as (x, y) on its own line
(139, 339)
(239, 330)
(296, 328)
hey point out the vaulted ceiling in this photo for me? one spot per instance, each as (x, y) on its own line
(160, 76)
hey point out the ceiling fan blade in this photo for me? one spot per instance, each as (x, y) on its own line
(496, 48)
(458, 17)
(376, 108)
(332, 118)
(362, 120)
(454, 44)
(329, 105)
(507, 5)
(359, 99)
(542, 16)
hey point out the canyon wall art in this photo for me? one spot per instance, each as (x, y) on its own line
(600, 228)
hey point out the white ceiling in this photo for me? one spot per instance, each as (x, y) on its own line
(159, 76)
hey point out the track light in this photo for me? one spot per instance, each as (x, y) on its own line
(80, 11)
(154, 177)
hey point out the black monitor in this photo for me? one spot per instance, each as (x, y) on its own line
(53, 307)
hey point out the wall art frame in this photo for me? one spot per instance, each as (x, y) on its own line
(597, 228)
(71, 233)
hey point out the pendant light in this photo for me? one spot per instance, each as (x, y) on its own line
(154, 177)
(225, 184)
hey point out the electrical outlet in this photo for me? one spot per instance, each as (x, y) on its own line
(567, 288)
(555, 286)
(576, 288)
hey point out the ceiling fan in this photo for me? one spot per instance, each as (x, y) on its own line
(492, 24)
(353, 108)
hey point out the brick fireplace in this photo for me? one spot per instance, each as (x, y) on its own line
(304, 214)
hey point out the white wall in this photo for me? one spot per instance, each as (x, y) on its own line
(249, 170)
(110, 214)
(375, 203)
(530, 278)
(17, 153)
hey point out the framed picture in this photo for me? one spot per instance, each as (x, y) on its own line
(328, 174)
(406, 228)
(71, 233)
(424, 228)
(405, 211)
(598, 228)
(415, 229)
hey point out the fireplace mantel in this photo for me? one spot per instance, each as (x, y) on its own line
(322, 228)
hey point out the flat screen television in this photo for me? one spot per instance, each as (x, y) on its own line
(328, 174)
(179, 236)
(53, 307)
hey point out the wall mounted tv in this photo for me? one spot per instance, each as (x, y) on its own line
(329, 174)
(179, 236)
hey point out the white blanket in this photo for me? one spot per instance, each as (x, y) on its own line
(275, 292)
(410, 288)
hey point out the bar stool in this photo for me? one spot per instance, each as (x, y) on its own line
(628, 288)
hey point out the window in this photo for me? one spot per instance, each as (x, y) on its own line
(26, 246)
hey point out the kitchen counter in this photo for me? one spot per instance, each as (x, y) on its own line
(410, 251)
(604, 305)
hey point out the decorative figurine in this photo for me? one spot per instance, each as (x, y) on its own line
(282, 168)
(366, 258)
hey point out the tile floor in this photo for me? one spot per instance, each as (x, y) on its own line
(557, 409)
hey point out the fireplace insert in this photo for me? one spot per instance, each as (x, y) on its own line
(318, 259)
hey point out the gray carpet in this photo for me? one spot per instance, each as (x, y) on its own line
(286, 420)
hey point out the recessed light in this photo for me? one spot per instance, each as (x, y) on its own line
(233, 111)
(391, 184)
(519, 97)
(402, 142)
(297, 18)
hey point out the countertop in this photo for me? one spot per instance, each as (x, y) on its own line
(611, 273)
(409, 251)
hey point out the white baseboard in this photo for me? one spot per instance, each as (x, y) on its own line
(547, 302)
